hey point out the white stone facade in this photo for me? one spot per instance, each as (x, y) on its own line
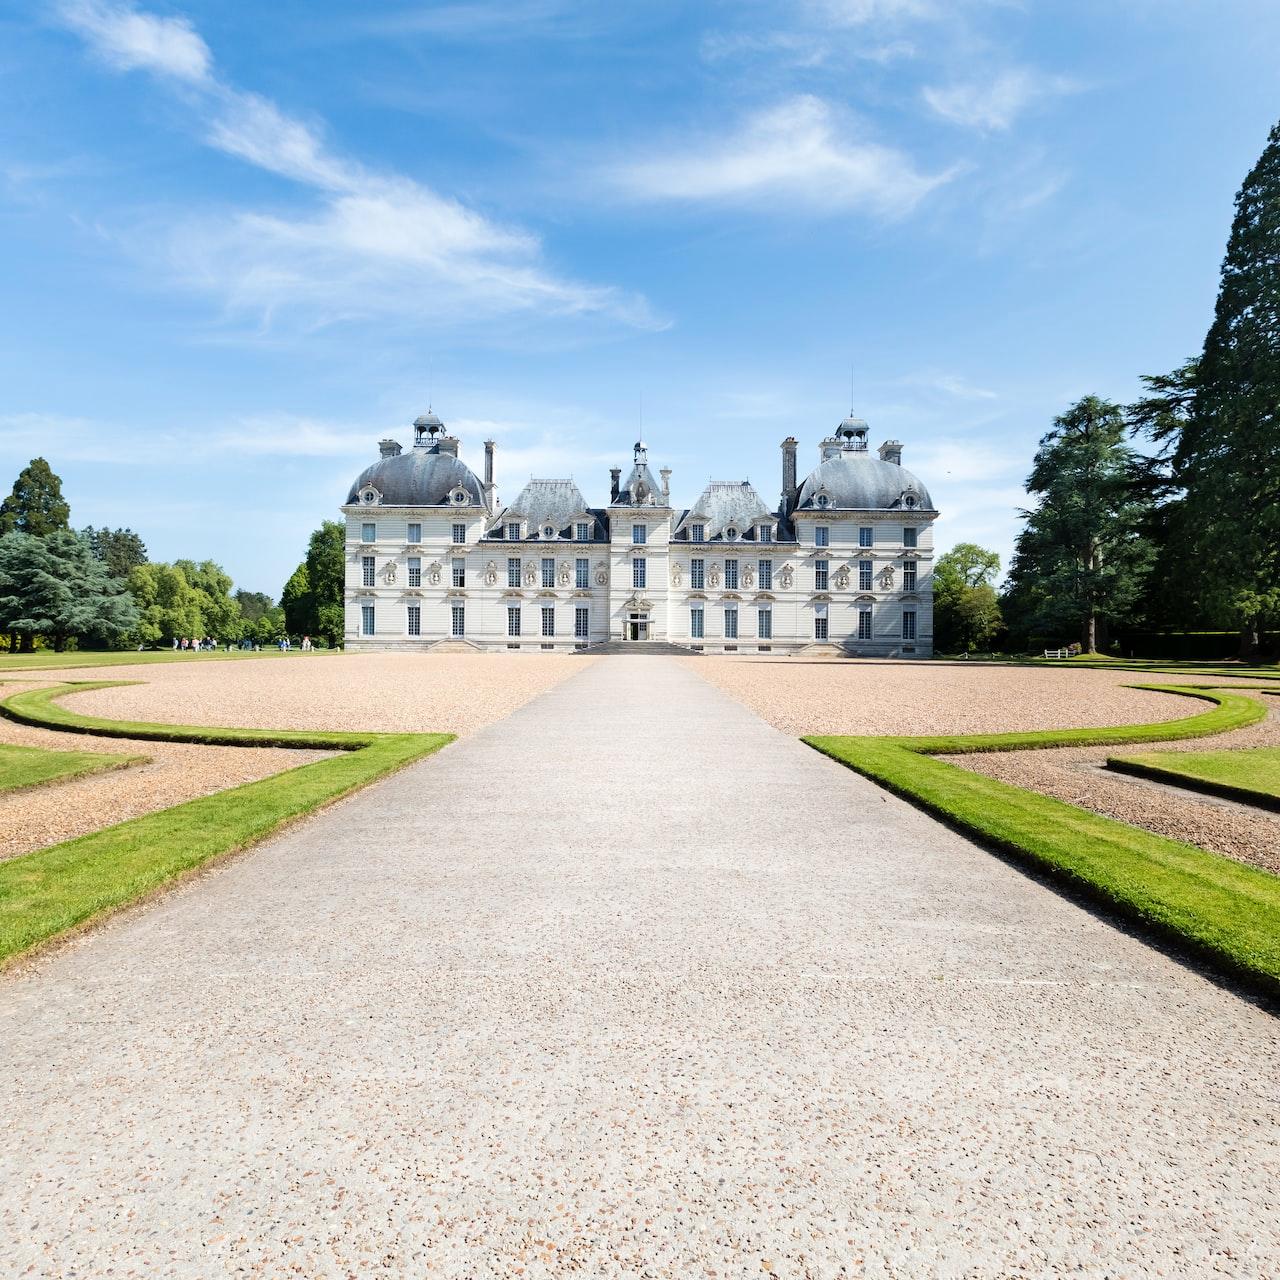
(842, 564)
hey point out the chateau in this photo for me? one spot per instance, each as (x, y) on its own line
(842, 564)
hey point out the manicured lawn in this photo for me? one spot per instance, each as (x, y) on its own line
(46, 660)
(48, 892)
(22, 767)
(1252, 775)
(1227, 912)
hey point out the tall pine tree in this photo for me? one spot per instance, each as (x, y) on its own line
(36, 505)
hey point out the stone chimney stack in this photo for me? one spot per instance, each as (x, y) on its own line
(489, 487)
(665, 473)
(615, 477)
(789, 490)
(388, 448)
(891, 451)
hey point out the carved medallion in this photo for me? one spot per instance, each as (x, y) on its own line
(563, 576)
(491, 574)
(389, 573)
(676, 575)
(433, 573)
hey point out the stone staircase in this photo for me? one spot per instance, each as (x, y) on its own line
(638, 648)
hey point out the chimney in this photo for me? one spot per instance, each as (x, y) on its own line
(615, 474)
(388, 448)
(448, 445)
(891, 451)
(789, 446)
(488, 476)
(665, 473)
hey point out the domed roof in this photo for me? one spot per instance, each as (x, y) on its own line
(424, 476)
(859, 481)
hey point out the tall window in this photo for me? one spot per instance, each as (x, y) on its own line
(730, 624)
(697, 533)
(415, 533)
(766, 575)
(582, 573)
(821, 574)
(864, 575)
(639, 534)
(864, 624)
(582, 531)
(548, 571)
(513, 532)
(366, 619)
(764, 624)
(908, 624)
(459, 572)
(368, 533)
(697, 574)
(513, 619)
(548, 620)
(458, 620)
(731, 575)
(581, 622)
(639, 577)
(821, 535)
(413, 618)
(459, 534)
(415, 571)
(908, 575)
(866, 536)
(513, 571)
(909, 536)
(820, 624)
(766, 533)
(697, 622)
(366, 569)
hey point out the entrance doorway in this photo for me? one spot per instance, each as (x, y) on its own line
(637, 626)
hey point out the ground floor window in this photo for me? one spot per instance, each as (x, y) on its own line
(764, 624)
(908, 624)
(548, 620)
(820, 622)
(513, 619)
(414, 619)
(366, 619)
(697, 625)
(581, 622)
(731, 624)
(864, 624)
(459, 612)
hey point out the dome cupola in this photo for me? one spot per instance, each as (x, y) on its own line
(429, 475)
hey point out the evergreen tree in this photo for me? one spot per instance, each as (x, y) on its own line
(1227, 457)
(119, 549)
(298, 603)
(1080, 562)
(36, 505)
(966, 612)
(326, 575)
(253, 604)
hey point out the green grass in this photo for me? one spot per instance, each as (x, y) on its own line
(51, 891)
(1251, 775)
(24, 767)
(47, 660)
(1226, 912)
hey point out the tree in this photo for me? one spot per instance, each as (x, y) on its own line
(298, 603)
(168, 605)
(966, 612)
(36, 505)
(1227, 453)
(326, 573)
(55, 587)
(1080, 561)
(119, 549)
(253, 604)
(220, 615)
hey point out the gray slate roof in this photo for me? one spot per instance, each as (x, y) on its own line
(553, 502)
(419, 477)
(857, 481)
(640, 489)
(725, 504)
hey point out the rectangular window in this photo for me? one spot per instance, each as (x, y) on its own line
(908, 575)
(548, 571)
(764, 624)
(582, 532)
(697, 623)
(731, 624)
(731, 575)
(513, 571)
(908, 624)
(366, 619)
(548, 620)
(821, 535)
(459, 534)
(366, 570)
(866, 536)
(909, 537)
(639, 534)
(582, 573)
(864, 624)
(766, 533)
(368, 533)
(459, 572)
(639, 576)
(697, 533)
(415, 533)
(415, 571)
(864, 575)
(513, 619)
(821, 574)
(766, 575)
(513, 533)
(414, 619)
(458, 620)
(697, 574)
(581, 622)
(820, 627)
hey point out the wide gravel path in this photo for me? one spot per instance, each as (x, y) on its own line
(630, 984)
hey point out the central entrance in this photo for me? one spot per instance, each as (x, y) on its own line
(637, 626)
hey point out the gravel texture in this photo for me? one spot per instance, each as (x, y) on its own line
(630, 985)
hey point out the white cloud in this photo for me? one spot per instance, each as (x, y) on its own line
(133, 40)
(851, 13)
(994, 104)
(803, 151)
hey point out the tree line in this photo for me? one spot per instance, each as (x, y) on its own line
(97, 588)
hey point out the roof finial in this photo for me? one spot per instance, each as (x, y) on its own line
(851, 389)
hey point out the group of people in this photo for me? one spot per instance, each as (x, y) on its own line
(210, 645)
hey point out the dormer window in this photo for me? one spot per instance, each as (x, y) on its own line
(909, 501)
(513, 532)
(731, 534)
(765, 533)
(459, 497)
(368, 496)
(823, 501)
(548, 531)
(582, 532)
(697, 533)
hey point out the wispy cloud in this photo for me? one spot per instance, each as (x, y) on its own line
(992, 105)
(805, 151)
(371, 243)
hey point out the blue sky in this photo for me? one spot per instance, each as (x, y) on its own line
(242, 242)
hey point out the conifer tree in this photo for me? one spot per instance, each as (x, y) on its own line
(36, 505)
